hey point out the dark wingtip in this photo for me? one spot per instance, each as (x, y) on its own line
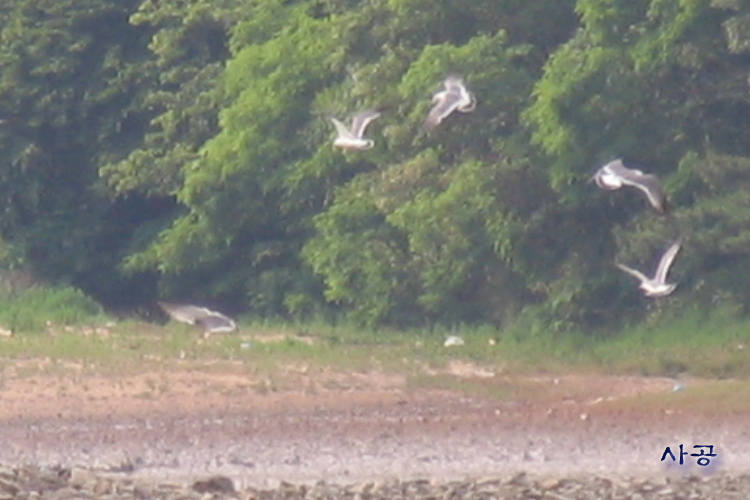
(384, 108)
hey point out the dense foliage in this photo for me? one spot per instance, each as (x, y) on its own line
(181, 150)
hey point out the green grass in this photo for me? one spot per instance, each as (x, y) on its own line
(713, 347)
(720, 397)
(707, 348)
(37, 308)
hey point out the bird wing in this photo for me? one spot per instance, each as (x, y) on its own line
(361, 120)
(182, 312)
(342, 129)
(455, 85)
(651, 186)
(633, 272)
(616, 168)
(666, 262)
(216, 322)
(446, 104)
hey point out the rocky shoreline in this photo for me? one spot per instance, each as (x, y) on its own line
(59, 483)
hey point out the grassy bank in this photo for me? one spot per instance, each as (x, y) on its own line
(709, 348)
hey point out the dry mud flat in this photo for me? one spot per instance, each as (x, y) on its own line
(363, 436)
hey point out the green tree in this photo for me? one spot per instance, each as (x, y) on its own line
(237, 227)
(661, 82)
(65, 80)
(434, 229)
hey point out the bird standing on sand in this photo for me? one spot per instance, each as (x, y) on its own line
(615, 175)
(455, 97)
(656, 286)
(353, 137)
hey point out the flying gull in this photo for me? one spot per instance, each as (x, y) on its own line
(656, 286)
(352, 137)
(454, 97)
(615, 175)
(210, 321)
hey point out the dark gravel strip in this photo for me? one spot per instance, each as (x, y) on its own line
(36, 483)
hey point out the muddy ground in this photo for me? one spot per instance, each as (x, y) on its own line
(182, 424)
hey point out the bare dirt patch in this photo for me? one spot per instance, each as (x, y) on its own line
(304, 425)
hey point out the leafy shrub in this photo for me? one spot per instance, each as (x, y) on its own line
(32, 309)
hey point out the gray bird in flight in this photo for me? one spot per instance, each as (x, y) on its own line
(454, 97)
(615, 175)
(210, 321)
(352, 137)
(656, 286)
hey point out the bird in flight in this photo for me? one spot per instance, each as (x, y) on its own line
(453, 97)
(615, 175)
(353, 137)
(210, 321)
(656, 286)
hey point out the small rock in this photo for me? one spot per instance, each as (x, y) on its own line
(143, 491)
(103, 486)
(8, 487)
(215, 484)
(79, 477)
(520, 479)
(550, 484)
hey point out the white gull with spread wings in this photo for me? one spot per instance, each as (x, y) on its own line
(353, 137)
(455, 97)
(656, 286)
(615, 175)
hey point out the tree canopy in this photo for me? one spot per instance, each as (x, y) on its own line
(181, 150)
